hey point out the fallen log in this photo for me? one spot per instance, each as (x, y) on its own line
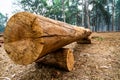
(62, 58)
(28, 37)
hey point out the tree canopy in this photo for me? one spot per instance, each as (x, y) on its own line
(103, 15)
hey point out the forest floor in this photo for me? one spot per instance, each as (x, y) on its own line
(97, 61)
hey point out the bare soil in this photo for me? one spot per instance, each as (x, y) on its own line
(97, 61)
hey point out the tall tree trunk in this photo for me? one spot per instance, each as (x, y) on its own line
(96, 20)
(93, 25)
(55, 17)
(63, 9)
(113, 13)
(108, 26)
(82, 12)
(87, 21)
(118, 18)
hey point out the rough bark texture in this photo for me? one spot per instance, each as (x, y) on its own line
(29, 37)
(62, 58)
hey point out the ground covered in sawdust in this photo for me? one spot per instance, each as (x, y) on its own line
(97, 61)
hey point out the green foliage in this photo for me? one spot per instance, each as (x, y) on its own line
(118, 8)
(100, 11)
(73, 13)
(55, 10)
(69, 11)
(98, 38)
(34, 6)
(3, 20)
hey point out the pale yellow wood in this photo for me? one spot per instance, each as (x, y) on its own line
(29, 37)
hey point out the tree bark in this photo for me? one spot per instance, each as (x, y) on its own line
(63, 10)
(113, 14)
(87, 21)
(29, 37)
(82, 12)
(62, 58)
(108, 24)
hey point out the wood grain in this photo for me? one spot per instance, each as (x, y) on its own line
(29, 37)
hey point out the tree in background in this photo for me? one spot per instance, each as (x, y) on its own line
(86, 16)
(73, 12)
(63, 10)
(117, 18)
(101, 18)
(34, 6)
(3, 20)
(113, 14)
(100, 14)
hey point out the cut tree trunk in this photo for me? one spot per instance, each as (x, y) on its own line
(62, 58)
(29, 37)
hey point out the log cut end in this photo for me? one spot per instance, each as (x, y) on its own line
(23, 42)
(62, 58)
(70, 60)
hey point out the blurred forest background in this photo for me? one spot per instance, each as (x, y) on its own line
(97, 15)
